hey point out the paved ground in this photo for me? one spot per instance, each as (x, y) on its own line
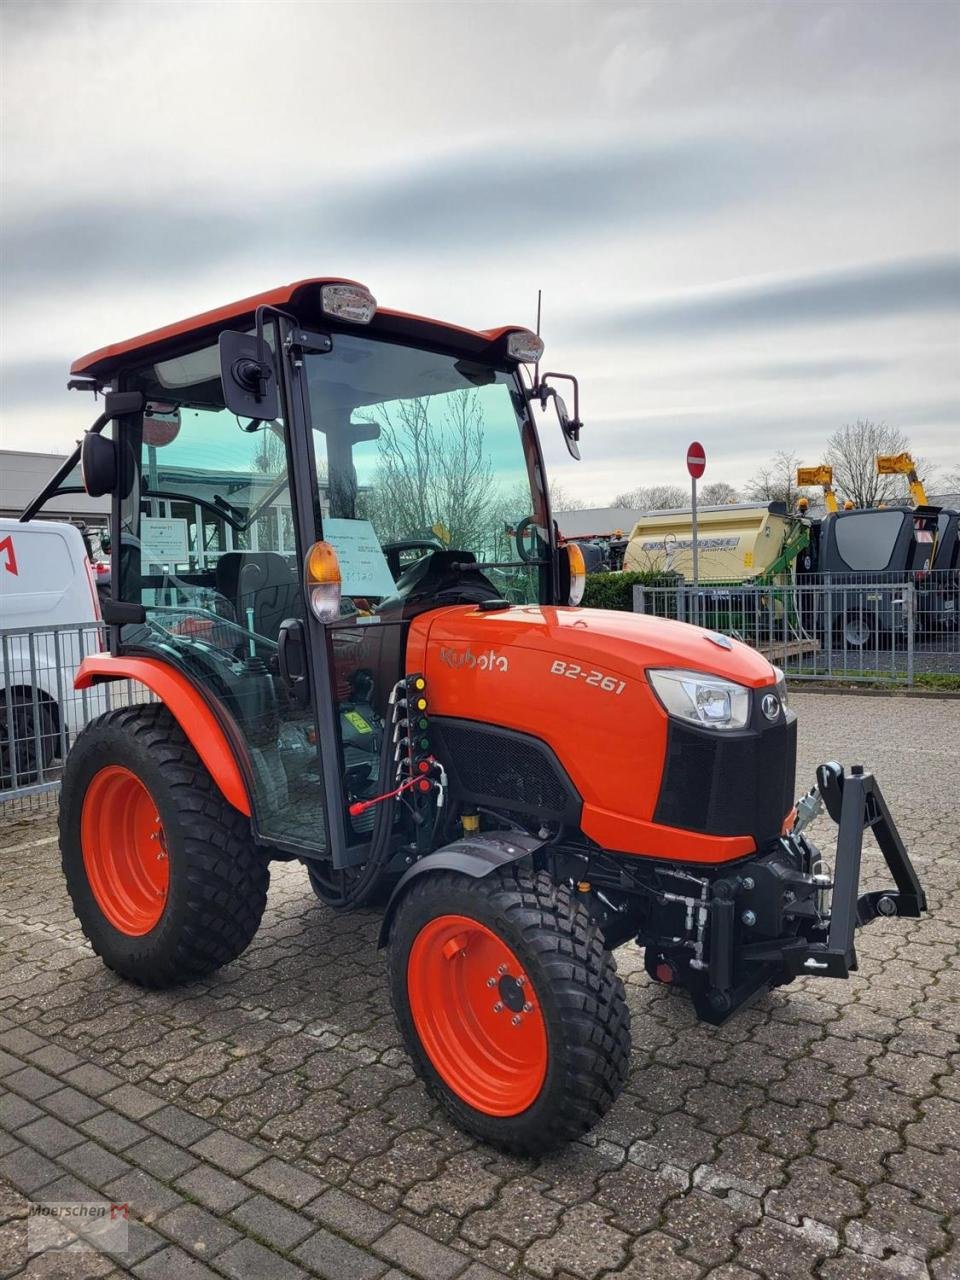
(266, 1124)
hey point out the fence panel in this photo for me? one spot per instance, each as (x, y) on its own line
(40, 711)
(858, 628)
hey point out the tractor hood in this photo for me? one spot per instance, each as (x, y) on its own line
(575, 680)
(622, 643)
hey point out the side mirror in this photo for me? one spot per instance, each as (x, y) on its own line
(570, 426)
(98, 465)
(248, 377)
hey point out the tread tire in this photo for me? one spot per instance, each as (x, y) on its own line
(218, 877)
(579, 991)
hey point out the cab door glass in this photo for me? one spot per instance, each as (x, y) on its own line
(208, 546)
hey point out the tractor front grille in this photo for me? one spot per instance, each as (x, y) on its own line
(739, 783)
(509, 770)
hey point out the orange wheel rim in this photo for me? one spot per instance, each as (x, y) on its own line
(477, 1015)
(124, 851)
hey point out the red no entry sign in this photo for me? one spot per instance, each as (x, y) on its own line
(696, 460)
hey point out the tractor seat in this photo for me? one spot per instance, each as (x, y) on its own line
(261, 581)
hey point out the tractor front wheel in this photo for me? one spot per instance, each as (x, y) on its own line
(510, 1006)
(164, 875)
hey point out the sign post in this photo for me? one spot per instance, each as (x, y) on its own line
(696, 465)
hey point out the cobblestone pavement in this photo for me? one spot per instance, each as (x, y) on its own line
(266, 1124)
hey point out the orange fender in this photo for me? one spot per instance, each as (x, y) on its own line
(186, 706)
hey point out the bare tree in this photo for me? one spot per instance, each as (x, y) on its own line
(852, 453)
(561, 500)
(653, 497)
(718, 494)
(777, 481)
(432, 474)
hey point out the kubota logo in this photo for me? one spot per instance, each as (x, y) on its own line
(489, 661)
(6, 548)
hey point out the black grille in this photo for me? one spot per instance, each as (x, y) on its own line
(497, 766)
(735, 784)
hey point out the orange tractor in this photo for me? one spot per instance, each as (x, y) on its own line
(335, 569)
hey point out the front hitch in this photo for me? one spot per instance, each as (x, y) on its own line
(776, 896)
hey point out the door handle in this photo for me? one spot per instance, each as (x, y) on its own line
(292, 660)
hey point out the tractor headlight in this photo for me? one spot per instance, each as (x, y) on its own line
(702, 699)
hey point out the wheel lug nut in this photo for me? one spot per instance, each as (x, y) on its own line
(501, 968)
(516, 1019)
(521, 981)
(491, 982)
(498, 1007)
(528, 1007)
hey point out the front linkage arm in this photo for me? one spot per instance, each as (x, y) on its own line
(740, 966)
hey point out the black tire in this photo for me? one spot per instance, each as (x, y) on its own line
(581, 999)
(23, 727)
(217, 877)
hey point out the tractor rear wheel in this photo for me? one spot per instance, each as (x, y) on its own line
(510, 1006)
(163, 873)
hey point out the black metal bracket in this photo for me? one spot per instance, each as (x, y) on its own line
(855, 801)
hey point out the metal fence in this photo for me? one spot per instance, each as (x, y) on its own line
(868, 627)
(40, 711)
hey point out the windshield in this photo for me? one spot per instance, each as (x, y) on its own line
(419, 452)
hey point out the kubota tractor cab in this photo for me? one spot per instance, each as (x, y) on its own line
(334, 567)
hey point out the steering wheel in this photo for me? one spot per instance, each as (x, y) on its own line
(522, 529)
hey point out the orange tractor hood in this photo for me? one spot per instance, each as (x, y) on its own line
(575, 679)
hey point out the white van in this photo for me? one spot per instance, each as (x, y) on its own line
(49, 611)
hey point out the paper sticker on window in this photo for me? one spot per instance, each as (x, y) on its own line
(164, 541)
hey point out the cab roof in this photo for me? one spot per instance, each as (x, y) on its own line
(301, 298)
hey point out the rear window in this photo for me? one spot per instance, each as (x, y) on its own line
(866, 539)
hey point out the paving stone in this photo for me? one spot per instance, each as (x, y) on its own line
(20, 1041)
(197, 1230)
(89, 1078)
(272, 1224)
(27, 1170)
(50, 1136)
(54, 1058)
(173, 1264)
(16, 1111)
(285, 1182)
(9, 1064)
(215, 1190)
(131, 1101)
(349, 1216)
(31, 1082)
(147, 1197)
(248, 1260)
(229, 1152)
(113, 1130)
(420, 1255)
(177, 1125)
(334, 1258)
(160, 1157)
(71, 1105)
(94, 1164)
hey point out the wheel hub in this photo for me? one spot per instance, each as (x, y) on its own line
(124, 851)
(477, 1015)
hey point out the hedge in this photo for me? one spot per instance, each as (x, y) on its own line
(615, 590)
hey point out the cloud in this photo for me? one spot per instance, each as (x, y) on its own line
(927, 284)
(482, 203)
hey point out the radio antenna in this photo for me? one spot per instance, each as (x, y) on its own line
(536, 367)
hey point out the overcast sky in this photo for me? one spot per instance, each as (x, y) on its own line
(745, 217)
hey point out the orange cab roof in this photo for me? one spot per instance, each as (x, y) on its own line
(303, 294)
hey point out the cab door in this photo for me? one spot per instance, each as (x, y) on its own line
(211, 544)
